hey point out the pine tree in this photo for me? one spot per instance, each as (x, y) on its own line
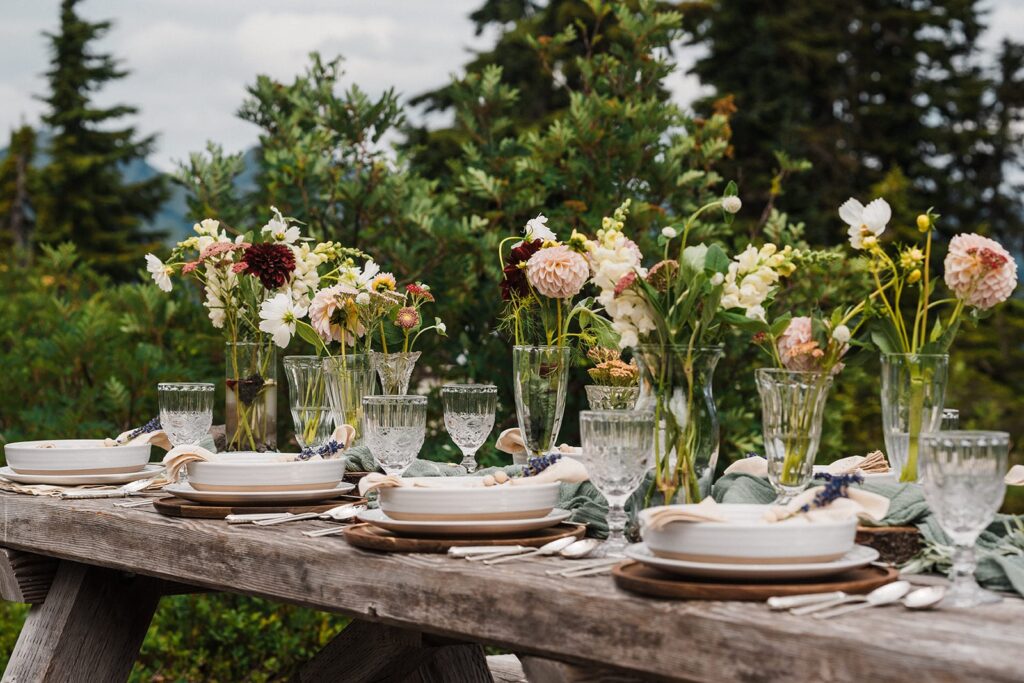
(85, 198)
(18, 184)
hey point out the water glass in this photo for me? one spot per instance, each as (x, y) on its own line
(395, 426)
(469, 417)
(186, 411)
(950, 419)
(963, 484)
(616, 444)
(307, 398)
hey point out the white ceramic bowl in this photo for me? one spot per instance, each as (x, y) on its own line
(75, 457)
(242, 471)
(747, 539)
(466, 498)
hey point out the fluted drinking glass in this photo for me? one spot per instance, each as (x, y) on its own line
(394, 429)
(963, 480)
(186, 411)
(469, 417)
(616, 445)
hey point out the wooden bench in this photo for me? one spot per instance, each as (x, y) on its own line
(425, 617)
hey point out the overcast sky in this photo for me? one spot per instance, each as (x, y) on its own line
(190, 60)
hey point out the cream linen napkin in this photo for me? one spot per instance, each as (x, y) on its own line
(59, 491)
(511, 441)
(873, 462)
(1015, 477)
(658, 517)
(566, 470)
(857, 503)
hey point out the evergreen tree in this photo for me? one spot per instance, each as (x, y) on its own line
(17, 190)
(85, 198)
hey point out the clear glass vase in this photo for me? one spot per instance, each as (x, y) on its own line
(250, 396)
(540, 376)
(349, 378)
(603, 397)
(792, 408)
(307, 398)
(676, 384)
(913, 393)
(395, 370)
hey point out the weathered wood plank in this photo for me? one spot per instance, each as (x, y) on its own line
(539, 670)
(25, 577)
(89, 628)
(506, 669)
(518, 607)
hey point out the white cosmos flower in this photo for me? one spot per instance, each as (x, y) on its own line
(367, 274)
(160, 272)
(278, 229)
(537, 229)
(864, 220)
(278, 316)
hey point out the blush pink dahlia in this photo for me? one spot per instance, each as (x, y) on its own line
(979, 271)
(557, 272)
(797, 348)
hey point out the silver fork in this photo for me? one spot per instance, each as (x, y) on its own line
(128, 489)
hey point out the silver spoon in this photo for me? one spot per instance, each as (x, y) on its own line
(846, 599)
(580, 549)
(924, 598)
(884, 595)
(547, 549)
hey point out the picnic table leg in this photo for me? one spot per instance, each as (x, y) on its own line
(366, 652)
(89, 628)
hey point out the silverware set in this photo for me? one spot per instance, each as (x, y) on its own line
(563, 548)
(341, 513)
(837, 603)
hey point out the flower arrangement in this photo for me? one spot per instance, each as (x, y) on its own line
(610, 370)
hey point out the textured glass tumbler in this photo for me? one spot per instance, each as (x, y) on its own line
(616, 445)
(307, 398)
(469, 417)
(186, 411)
(395, 370)
(963, 481)
(792, 407)
(394, 429)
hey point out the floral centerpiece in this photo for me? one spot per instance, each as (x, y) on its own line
(395, 366)
(256, 287)
(912, 325)
(542, 277)
(616, 383)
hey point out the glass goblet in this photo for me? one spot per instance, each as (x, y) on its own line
(186, 411)
(395, 426)
(964, 486)
(469, 417)
(616, 444)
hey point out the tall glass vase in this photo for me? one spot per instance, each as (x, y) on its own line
(676, 384)
(250, 396)
(913, 393)
(540, 377)
(395, 370)
(792, 407)
(349, 378)
(307, 398)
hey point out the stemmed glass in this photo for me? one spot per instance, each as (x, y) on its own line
(186, 411)
(964, 486)
(469, 417)
(395, 426)
(616, 444)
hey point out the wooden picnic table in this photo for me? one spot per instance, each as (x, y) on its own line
(429, 613)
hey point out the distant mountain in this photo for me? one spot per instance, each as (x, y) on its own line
(172, 217)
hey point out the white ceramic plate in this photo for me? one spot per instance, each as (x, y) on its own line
(75, 457)
(458, 499)
(242, 471)
(858, 557)
(497, 527)
(186, 491)
(80, 479)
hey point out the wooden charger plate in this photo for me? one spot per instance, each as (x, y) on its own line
(176, 507)
(639, 578)
(374, 538)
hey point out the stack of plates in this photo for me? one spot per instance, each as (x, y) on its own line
(463, 506)
(746, 548)
(261, 478)
(76, 462)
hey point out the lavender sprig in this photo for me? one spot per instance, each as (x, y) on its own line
(836, 486)
(327, 450)
(150, 426)
(535, 466)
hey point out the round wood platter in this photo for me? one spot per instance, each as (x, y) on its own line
(176, 507)
(374, 538)
(639, 578)
(895, 544)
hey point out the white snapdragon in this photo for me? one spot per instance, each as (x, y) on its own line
(305, 279)
(631, 317)
(611, 256)
(752, 277)
(219, 293)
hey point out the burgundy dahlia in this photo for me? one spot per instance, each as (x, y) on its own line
(515, 283)
(271, 263)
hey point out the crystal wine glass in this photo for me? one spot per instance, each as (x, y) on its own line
(616, 444)
(964, 486)
(469, 417)
(186, 411)
(395, 427)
